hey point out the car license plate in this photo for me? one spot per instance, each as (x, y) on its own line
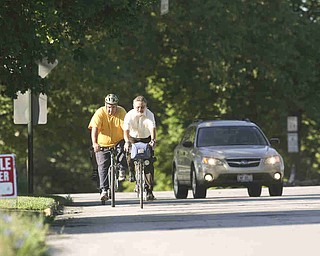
(245, 178)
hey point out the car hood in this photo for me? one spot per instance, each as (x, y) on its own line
(238, 151)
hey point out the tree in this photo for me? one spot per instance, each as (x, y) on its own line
(252, 59)
(33, 30)
(56, 29)
(211, 60)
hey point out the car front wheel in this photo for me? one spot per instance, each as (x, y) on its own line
(180, 192)
(198, 191)
(254, 190)
(276, 189)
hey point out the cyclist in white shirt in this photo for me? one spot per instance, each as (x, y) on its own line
(139, 126)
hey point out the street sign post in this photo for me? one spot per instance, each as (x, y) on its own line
(293, 136)
(21, 108)
(8, 178)
(25, 114)
(45, 67)
(293, 143)
(164, 8)
(292, 123)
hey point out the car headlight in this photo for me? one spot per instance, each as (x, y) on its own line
(272, 160)
(211, 161)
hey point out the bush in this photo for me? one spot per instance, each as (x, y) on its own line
(27, 203)
(22, 234)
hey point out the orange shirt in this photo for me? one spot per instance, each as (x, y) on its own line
(110, 128)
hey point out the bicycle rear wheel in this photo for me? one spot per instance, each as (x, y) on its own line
(112, 182)
(141, 183)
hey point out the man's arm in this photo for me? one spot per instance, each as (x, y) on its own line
(153, 137)
(153, 133)
(126, 139)
(152, 128)
(126, 135)
(94, 139)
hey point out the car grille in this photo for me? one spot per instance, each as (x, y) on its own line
(243, 162)
(229, 179)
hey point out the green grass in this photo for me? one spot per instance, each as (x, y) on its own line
(27, 203)
(34, 203)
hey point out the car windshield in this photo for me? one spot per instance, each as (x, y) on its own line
(230, 135)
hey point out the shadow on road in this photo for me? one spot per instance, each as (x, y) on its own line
(186, 221)
(209, 200)
(205, 217)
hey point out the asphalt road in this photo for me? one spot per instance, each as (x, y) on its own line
(227, 222)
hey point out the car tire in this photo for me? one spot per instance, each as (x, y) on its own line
(180, 192)
(254, 190)
(276, 189)
(198, 191)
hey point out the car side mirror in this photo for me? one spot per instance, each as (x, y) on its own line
(274, 141)
(187, 144)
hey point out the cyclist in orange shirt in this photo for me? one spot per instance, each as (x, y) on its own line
(106, 132)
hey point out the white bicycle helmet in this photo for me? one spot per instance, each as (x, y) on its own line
(111, 99)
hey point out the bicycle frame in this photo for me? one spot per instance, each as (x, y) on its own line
(140, 179)
(112, 176)
(140, 154)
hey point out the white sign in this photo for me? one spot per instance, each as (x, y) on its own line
(293, 144)
(164, 7)
(292, 122)
(8, 178)
(21, 108)
(45, 67)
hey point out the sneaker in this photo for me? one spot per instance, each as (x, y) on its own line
(136, 188)
(132, 177)
(150, 196)
(103, 195)
(122, 175)
(108, 193)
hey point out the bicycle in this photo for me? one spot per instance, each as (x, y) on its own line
(112, 177)
(140, 154)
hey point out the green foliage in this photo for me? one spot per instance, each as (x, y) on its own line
(212, 60)
(237, 60)
(33, 30)
(84, 39)
(22, 234)
(308, 8)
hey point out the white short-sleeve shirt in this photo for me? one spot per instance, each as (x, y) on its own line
(139, 126)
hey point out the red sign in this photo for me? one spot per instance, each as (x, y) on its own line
(8, 180)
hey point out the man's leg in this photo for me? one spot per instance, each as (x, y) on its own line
(94, 175)
(103, 161)
(149, 176)
(122, 161)
(130, 166)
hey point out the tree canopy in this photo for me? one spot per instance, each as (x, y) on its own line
(209, 59)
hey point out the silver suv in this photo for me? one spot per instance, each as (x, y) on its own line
(226, 153)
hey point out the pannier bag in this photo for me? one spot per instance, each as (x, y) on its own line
(140, 150)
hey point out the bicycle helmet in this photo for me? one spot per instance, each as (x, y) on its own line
(111, 99)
